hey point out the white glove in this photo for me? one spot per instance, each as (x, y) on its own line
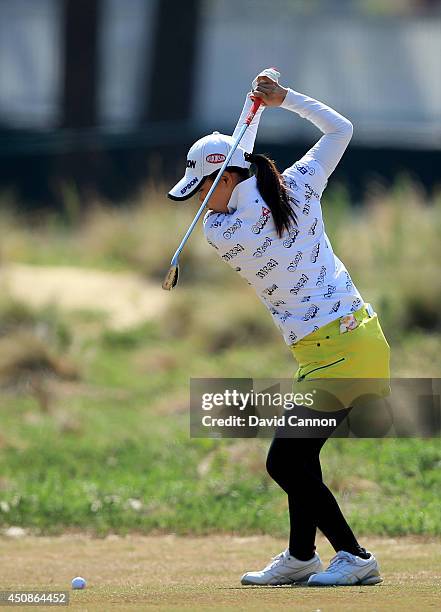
(271, 73)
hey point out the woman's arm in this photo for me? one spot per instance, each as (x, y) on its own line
(267, 77)
(249, 137)
(337, 129)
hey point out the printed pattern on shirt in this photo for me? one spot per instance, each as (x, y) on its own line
(297, 276)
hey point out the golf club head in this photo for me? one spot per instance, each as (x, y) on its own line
(171, 278)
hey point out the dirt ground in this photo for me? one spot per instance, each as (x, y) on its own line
(186, 573)
(127, 298)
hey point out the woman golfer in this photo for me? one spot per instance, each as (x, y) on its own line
(268, 226)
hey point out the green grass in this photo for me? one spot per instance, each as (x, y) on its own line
(115, 455)
(139, 572)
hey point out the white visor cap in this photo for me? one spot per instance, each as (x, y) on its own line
(205, 157)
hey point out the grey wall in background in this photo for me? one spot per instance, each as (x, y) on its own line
(383, 74)
(125, 52)
(30, 62)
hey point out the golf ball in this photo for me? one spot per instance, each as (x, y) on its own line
(78, 583)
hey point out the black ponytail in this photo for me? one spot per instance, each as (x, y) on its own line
(272, 189)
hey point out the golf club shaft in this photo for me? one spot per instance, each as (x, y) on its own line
(256, 104)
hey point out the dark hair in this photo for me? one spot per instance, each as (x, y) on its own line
(271, 187)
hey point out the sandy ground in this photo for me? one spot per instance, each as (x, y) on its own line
(186, 573)
(127, 298)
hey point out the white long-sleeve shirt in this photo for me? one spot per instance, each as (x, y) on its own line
(328, 150)
(298, 277)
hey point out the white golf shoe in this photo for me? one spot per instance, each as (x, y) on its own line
(346, 569)
(284, 569)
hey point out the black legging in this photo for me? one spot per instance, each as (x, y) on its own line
(294, 463)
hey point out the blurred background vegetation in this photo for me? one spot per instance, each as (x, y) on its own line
(95, 431)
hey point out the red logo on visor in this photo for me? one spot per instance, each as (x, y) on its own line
(215, 158)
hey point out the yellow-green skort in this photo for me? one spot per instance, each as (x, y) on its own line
(361, 356)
